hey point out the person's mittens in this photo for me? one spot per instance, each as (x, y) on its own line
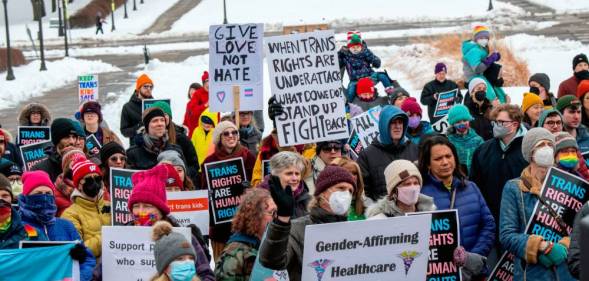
(460, 256)
(492, 58)
(78, 252)
(274, 108)
(558, 254)
(282, 197)
(545, 261)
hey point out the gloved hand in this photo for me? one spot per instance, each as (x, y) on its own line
(274, 108)
(282, 197)
(492, 58)
(460, 256)
(558, 254)
(78, 252)
(545, 261)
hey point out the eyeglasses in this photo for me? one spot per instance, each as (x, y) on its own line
(331, 148)
(553, 123)
(147, 87)
(502, 123)
(118, 158)
(96, 179)
(231, 133)
(271, 212)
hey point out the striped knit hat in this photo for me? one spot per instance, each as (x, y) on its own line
(354, 38)
(481, 31)
(83, 168)
(564, 140)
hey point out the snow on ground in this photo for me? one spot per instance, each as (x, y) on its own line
(564, 5)
(30, 82)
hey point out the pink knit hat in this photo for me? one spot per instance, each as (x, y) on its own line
(150, 187)
(34, 179)
(411, 106)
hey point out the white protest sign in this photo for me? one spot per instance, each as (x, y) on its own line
(441, 126)
(305, 79)
(127, 252)
(190, 207)
(235, 59)
(87, 88)
(366, 125)
(388, 249)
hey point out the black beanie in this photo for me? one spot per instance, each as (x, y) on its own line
(579, 59)
(109, 150)
(5, 185)
(61, 128)
(151, 113)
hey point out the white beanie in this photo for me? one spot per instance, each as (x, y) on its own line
(222, 126)
(474, 82)
(398, 171)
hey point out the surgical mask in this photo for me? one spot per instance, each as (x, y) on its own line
(483, 42)
(500, 131)
(568, 161)
(414, 122)
(544, 156)
(42, 206)
(340, 202)
(145, 219)
(409, 194)
(462, 127)
(182, 270)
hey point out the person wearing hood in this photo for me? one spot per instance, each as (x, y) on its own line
(417, 128)
(153, 140)
(532, 107)
(392, 144)
(202, 136)
(90, 120)
(551, 120)
(536, 257)
(199, 102)
(64, 133)
(580, 73)
(38, 209)
(582, 91)
(34, 114)
(540, 85)
(480, 108)
(477, 59)
(462, 136)
(432, 90)
(132, 110)
(64, 185)
(283, 247)
(255, 212)
(88, 212)
(499, 159)
(570, 107)
(449, 188)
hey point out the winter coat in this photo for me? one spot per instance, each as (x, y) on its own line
(201, 140)
(518, 203)
(583, 138)
(221, 233)
(104, 135)
(62, 230)
(436, 87)
(415, 135)
(63, 190)
(284, 244)
(492, 167)
(195, 107)
(465, 145)
(477, 226)
(568, 87)
(139, 158)
(385, 208)
(51, 165)
(238, 258)
(15, 233)
(88, 217)
(250, 137)
(131, 117)
(9, 168)
(190, 156)
(472, 59)
(12, 151)
(358, 65)
(24, 117)
(301, 195)
(574, 258)
(481, 123)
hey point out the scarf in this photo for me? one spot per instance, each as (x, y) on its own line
(155, 145)
(529, 183)
(4, 226)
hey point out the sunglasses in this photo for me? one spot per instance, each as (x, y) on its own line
(331, 148)
(118, 158)
(231, 133)
(96, 179)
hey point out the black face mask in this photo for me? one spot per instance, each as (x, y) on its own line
(480, 96)
(535, 90)
(92, 186)
(582, 75)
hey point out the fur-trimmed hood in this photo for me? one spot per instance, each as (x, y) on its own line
(389, 208)
(25, 113)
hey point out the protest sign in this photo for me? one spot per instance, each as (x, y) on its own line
(56, 263)
(503, 271)
(441, 126)
(87, 88)
(127, 252)
(265, 168)
(443, 240)
(355, 145)
(305, 79)
(93, 145)
(366, 125)
(565, 194)
(145, 104)
(235, 60)
(383, 249)
(34, 153)
(445, 102)
(120, 191)
(33, 134)
(224, 181)
(190, 207)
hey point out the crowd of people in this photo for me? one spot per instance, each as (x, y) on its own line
(489, 165)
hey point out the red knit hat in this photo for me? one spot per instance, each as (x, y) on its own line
(173, 177)
(365, 89)
(71, 155)
(331, 176)
(583, 88)
(2, 135)
(205, 77)
(411, 106)
(34, 179)
(82, 168)
(150, 187)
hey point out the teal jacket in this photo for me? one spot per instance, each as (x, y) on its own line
(472, 58)
(465, 145)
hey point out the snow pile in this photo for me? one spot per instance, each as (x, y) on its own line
(565, 5)
(30, 82)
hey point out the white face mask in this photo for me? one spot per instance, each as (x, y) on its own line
(409, 194)
(340, 202)
(544, 156)
(483, 42)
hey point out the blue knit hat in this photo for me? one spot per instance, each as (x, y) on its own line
(458, 113)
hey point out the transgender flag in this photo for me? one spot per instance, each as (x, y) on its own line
(39, 264)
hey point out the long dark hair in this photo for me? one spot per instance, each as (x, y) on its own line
(425, 154)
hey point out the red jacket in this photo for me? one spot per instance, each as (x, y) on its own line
(568, 87)
(194, 108)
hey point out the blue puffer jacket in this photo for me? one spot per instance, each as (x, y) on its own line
(477, 226)
(513, 221)
(15, 233)
(358, 65)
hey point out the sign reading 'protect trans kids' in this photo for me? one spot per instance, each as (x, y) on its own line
(224, 180)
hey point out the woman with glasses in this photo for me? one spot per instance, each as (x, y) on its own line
(227, 146)
(34, 114)
(256, 211)
(551, 120)
(325, 152)
(112, 155)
